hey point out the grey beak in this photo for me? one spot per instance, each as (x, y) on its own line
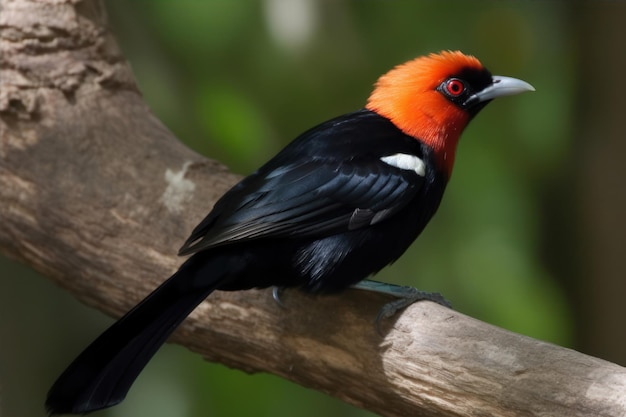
(501, 86)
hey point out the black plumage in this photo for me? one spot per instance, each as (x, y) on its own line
(322, 215)
(342, 201)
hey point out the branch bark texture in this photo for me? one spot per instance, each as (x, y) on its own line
(97, 194)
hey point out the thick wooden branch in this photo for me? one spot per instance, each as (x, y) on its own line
(98, 195)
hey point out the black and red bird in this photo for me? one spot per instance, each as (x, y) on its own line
(339, 203)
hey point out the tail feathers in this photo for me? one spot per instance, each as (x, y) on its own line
(103, 373)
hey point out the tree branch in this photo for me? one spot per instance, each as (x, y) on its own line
(97, 194)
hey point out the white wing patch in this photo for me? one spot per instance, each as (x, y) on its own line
(406, 161)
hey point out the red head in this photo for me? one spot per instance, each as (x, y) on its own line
(434, 97)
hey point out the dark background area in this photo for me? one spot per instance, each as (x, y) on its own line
(531, 233)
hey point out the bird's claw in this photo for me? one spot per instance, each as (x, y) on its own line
(276, 294)
(405, 297)
(409, 296)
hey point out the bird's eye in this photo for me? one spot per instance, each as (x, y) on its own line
(455, 87)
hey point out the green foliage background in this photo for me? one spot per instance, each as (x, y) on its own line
(234, 81)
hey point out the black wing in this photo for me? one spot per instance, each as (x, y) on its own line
(329, 180)
(312, 198)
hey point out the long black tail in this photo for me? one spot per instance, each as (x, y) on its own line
(104, 372)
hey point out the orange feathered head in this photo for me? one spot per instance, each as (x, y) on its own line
(433, 98)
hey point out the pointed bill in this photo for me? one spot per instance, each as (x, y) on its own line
(501, 87)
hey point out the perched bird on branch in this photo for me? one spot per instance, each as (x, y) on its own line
(336, 205)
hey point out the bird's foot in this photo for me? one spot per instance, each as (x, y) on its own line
(277, 292)
(405, 297)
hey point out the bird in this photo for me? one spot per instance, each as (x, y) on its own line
(343, 200)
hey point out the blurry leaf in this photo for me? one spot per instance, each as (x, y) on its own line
(234, 123)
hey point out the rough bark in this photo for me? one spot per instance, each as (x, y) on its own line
(92, 194)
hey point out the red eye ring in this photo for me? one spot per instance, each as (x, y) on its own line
(455, 87)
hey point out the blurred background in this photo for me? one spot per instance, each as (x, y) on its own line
(531, 234)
